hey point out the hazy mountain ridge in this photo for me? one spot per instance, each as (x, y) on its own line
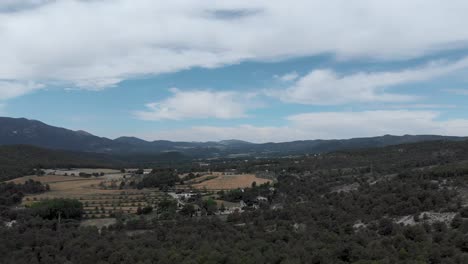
(31, 132)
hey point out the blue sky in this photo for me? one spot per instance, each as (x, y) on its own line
(253, 70)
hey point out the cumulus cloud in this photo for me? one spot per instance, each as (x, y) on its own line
(197, 104)
(327, 125)
(96, 44)
(327, 87)
(11, 89)
(287, 77)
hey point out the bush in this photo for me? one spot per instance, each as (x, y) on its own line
(144, 210)
(158, 180)
(464, 212)
(55, 208)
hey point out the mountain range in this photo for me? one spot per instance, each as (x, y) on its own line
(14, 131)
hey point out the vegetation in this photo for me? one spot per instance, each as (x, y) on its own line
(58, 208)
(20, 160)
(159, 179)
(11, 194)
(399, 204)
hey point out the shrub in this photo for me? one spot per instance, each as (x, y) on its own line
(54, 208)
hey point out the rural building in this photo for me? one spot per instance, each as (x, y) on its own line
(230, 172)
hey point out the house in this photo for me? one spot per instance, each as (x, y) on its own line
(261, 199)
(10, 224)
(230, 172)
(185, 195)
(242, 204)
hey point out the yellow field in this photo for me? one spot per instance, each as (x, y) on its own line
(84, 170)
(46, 179)
(68, 186)
(225, 182)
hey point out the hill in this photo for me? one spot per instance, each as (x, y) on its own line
(20, 160)
(31, 132)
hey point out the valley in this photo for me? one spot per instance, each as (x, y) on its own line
(107, 193)
(353, 202)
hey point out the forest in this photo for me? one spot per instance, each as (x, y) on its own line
(399, 204)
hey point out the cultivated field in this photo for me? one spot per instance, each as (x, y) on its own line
(229, 182)
(83, 170)
(102, 198)
(99, 201)
(68, 186)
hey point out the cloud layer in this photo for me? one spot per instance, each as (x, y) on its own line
(11, 89)
(326, 87)
(95, 44)
(81, 44)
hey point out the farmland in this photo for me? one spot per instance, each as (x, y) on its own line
(105, 193)
(99, 199)
(219, 181)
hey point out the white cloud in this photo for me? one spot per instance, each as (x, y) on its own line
(287, 77)
(420, 106)
(326, 87)
(95, 44)
(11, 89)
(367, 123)
(198, 104)
(457, 91)
(327, 125)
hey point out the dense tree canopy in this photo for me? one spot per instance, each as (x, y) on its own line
(58, 208)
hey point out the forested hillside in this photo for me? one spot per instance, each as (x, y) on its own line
(20, 160)
(398, 204)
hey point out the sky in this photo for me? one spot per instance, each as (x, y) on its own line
(257, 70)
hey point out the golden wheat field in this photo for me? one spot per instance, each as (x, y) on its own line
(226, 182)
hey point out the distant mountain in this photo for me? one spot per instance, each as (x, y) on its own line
(131, 140)
(234, 142)
(31, 132)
